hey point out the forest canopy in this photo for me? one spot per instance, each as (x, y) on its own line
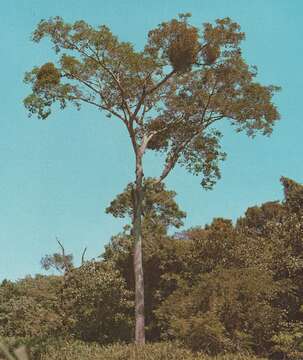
(221, 288)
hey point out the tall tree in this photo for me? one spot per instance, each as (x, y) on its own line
(169, 96)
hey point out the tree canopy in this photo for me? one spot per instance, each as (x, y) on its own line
(169, 95)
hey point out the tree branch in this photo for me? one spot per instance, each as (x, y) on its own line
(91, 102)
(82, 257)
(160, 83)
(113, 76)
(102, 64)
(106, 107)
(65, 263)
(171, 162)
(150, 91)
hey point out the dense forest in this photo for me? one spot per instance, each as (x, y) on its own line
(220, 290)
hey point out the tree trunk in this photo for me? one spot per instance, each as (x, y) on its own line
(138, 264)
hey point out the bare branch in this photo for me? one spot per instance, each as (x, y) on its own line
(83, 255)
(61, 246)
(65, 262)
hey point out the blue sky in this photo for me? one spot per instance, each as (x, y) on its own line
(57, 176)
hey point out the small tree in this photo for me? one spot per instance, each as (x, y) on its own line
(169, 96)
(159, 208)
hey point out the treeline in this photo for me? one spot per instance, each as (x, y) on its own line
(221, 288)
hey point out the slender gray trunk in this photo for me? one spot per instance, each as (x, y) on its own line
(138, 263)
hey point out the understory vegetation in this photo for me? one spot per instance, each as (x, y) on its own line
(77, 350)
(211, 291)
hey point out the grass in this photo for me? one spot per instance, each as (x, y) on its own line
(76, 350)
(157, 351)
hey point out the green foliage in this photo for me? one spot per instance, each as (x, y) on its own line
(164, 258)
(97, 305)
(293, 193)
(57, 261)
(255, 221)
(160, 211)
(159, 207)
(263, 248)
(90, 303)
(225, 310)
(30, 307)
(217, 289)
(216, 244)
(289, 342)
